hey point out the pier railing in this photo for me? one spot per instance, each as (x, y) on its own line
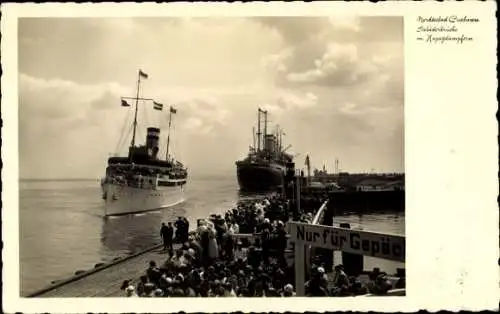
(318, 217)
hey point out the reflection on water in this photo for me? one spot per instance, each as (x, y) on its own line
(132, 233)
(135, 232)
(390, 222)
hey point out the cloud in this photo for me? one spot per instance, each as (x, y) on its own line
(290, 100)
(295, 29)
(278, 61)
(202, 121)
(60, 99)
(63, 124)
(350, 108)
(334, 51)
(340, 65)
(193, 123)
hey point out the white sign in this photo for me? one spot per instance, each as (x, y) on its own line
(391, 247)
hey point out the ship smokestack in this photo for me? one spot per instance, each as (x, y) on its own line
(270, 144)
(152, 140)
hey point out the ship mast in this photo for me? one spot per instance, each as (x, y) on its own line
(136, 107)
(253, 134)
(277, 143)
(258, 130)
(280, 141)
(171, 111)
(265, 124)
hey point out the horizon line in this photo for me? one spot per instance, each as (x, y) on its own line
(200, 175)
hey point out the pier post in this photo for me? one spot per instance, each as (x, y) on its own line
(299, 270)
(353, 263)
(298, 194)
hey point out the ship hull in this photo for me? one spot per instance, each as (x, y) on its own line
(259, 178)
(122, 200)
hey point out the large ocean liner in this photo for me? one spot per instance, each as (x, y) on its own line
(264, 167)
(142, 181)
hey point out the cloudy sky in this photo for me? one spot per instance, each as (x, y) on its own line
(336, 85)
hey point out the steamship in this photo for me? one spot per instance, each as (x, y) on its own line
(142, 181)
(264, 167)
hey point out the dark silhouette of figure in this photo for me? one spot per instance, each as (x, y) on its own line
(153, 273)
(205, 239)
(179, 225)
(167, 233)
(186, 230)
(281, 243)
(266, 245)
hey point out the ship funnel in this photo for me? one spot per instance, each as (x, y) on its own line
(270, 143)
(152, 139)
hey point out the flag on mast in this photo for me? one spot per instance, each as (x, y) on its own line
(142, 74)
(157, 105)
(125, 103)
(173, 110)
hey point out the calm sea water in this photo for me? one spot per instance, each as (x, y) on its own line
(62, 228)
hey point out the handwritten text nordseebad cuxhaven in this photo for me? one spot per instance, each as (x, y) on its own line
(444, 29)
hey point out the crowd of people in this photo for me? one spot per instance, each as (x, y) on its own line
(213, 262)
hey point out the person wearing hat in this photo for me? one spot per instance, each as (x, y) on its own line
(228, 242)
(281, 243)
(340, 278)
(169, 281)
(167, 233)
(153, 273)
(158, 293)
(130, 290)
(179, 278)
(228, 290)
(178, 292)
(288, 291)
(178, 229)
(382, 284)
(125, 284)
(322, 278)
(169, 292)
(196, 247)
(235, 227)
(266, 241)
(316, 286)
(213, 248)
(140, 285)
(149, 290)
(185, 229)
